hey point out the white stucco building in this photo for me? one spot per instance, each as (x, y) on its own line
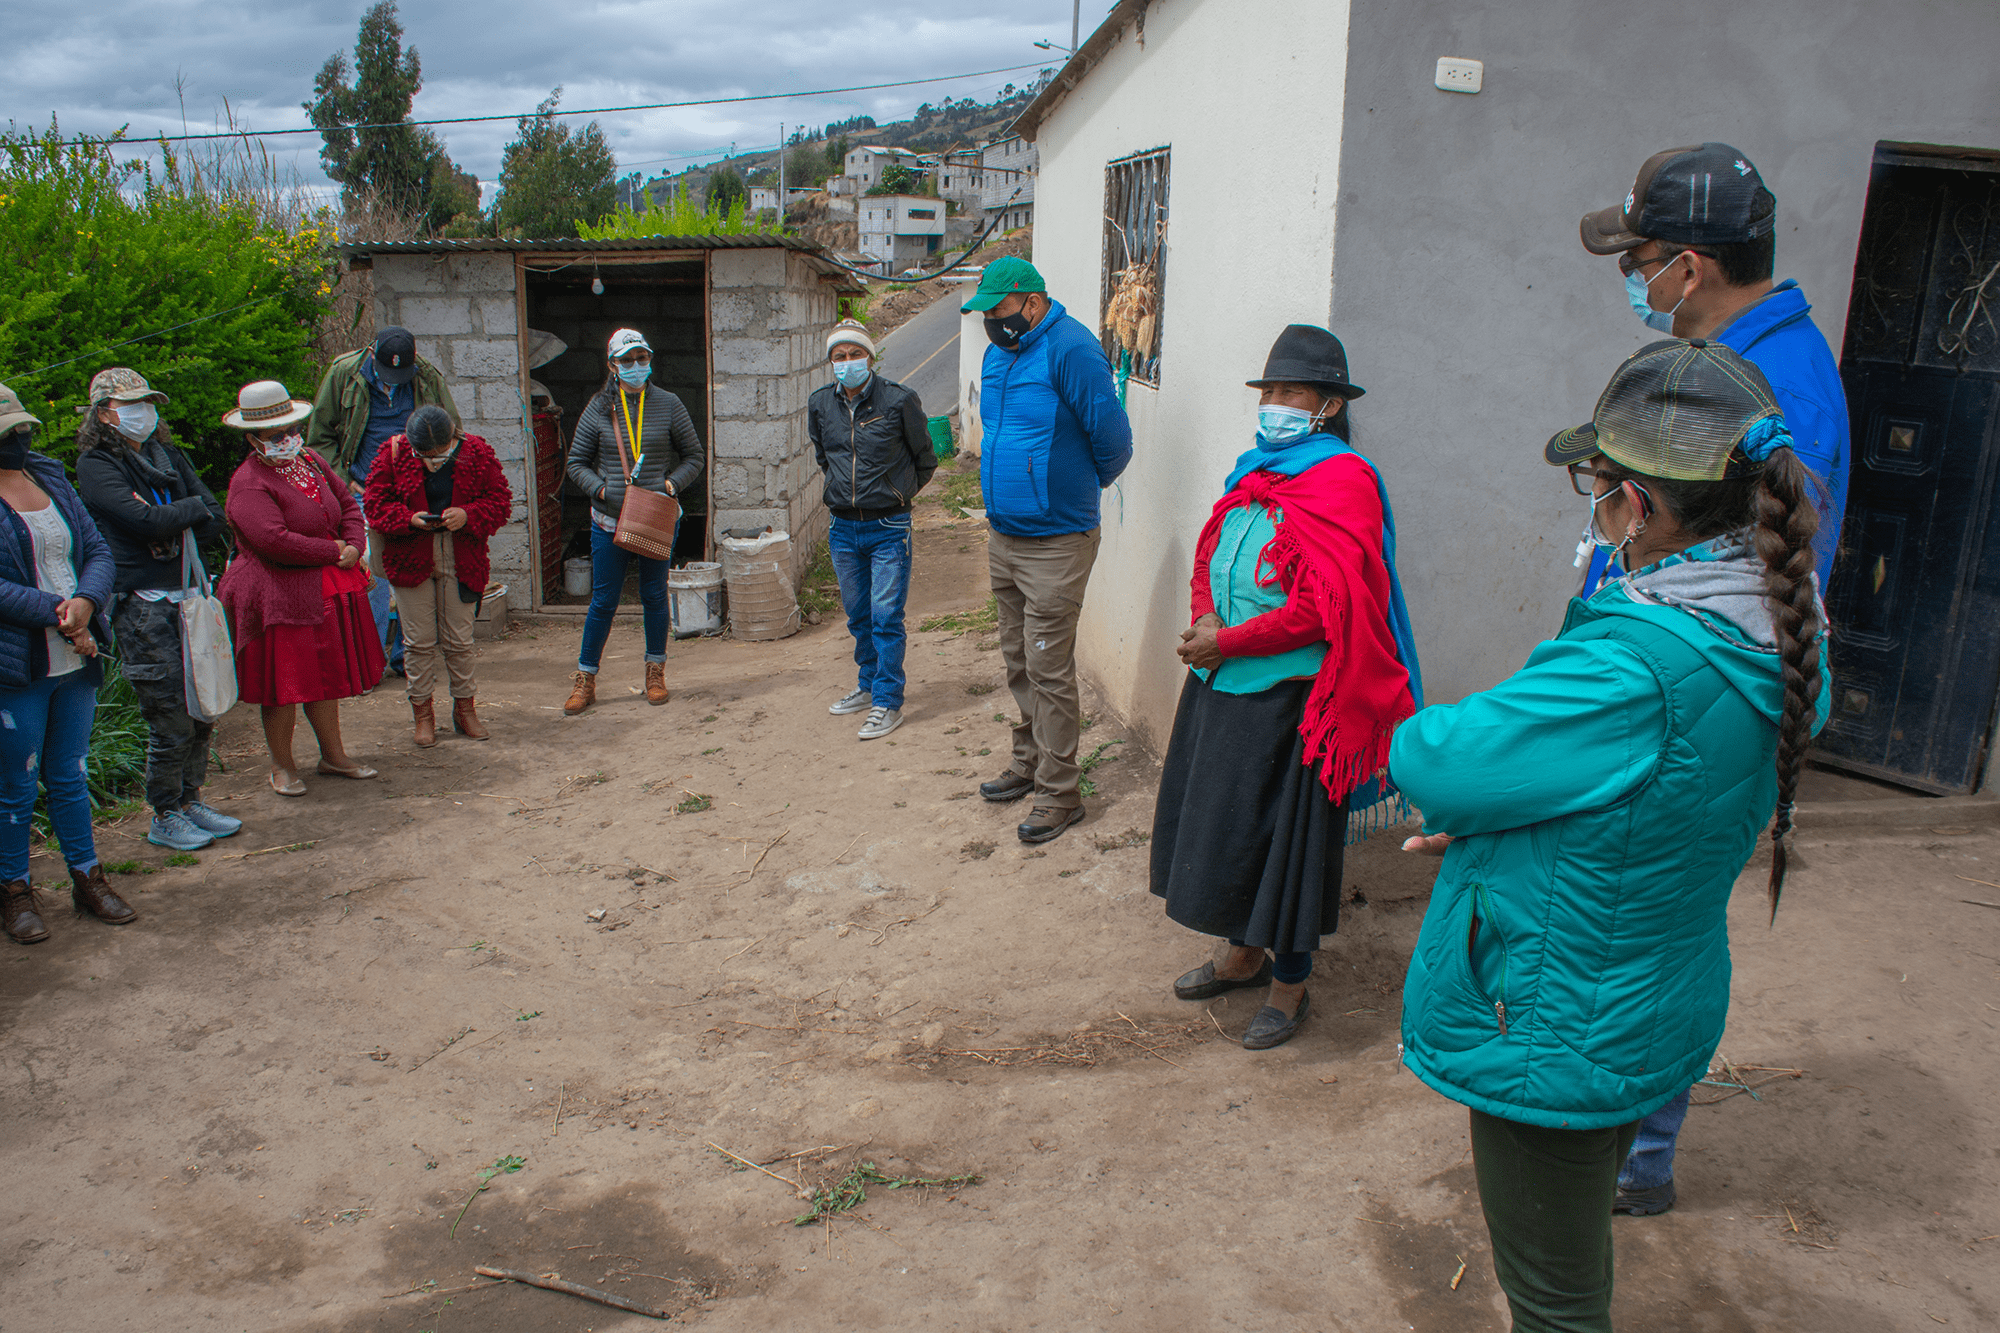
(900, 230)
(1010, 166)
(1283, 162)
(866, 164)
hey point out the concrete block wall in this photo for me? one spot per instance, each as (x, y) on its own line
(769, 313)
(461, 310)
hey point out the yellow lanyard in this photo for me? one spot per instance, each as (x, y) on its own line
(633, 443)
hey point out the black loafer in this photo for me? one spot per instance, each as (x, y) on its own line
(1202, 983)
(1009, 786)
(1274, 1027)
(1644, 1203)
(1046, 821)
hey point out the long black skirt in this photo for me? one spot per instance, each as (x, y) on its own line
(1246, 842)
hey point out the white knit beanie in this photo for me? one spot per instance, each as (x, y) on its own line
(850, 331)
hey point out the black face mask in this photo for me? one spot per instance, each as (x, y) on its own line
(14, 449)
(1006, 333)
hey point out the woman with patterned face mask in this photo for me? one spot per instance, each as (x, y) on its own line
(296, 591)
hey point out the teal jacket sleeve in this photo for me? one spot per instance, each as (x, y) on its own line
(1577, 728)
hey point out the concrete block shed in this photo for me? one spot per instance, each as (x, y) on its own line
(736, 323)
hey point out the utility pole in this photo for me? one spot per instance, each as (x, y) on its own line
(1075, 16)
(781, 175)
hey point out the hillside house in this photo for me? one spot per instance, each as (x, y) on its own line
(737, 325)
(1010, 166)
(866, 164)
(766, 196)
(961, 177)
(900, 230)
(1435, 231)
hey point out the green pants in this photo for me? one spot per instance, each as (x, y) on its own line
(1547, 1194)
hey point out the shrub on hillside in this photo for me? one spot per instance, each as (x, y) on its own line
(103, 264)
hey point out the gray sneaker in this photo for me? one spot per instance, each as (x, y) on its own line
(853, 703)
(174, 829)
(881, 721)
(210, 820)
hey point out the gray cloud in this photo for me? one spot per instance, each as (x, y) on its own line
(117, 63)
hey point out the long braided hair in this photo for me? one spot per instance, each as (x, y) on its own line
(1773, 500)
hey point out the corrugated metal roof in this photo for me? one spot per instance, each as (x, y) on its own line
(444, 246)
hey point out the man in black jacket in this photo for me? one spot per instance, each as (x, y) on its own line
(873, 443)
(151, 505)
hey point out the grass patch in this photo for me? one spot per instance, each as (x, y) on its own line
(960, 623)
(956, 486)
(851, 1190)
(819, 587)
(1092, 760)
(129, 868)
(183, 859)
(694, 803)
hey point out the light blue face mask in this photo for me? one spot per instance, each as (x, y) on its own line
(1636, 289)
(635, 375)
(851, 374)
(1284, 425)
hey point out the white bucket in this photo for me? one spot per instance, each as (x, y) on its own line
(763, 604)
(694, 599)
(576, 576)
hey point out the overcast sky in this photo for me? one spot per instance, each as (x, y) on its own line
(115, 62)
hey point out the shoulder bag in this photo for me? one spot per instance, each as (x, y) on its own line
(646, 519)
(208, 660)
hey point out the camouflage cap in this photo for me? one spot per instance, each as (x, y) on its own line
(1682, 410)
(12, 414)
(121, 384)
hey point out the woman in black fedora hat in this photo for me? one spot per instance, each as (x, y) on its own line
(1302, 665)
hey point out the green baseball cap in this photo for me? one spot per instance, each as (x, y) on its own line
(12, 413)
(1003, 278)
(1679, 410)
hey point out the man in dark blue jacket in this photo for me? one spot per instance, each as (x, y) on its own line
(1696, 240)
(1055, 436)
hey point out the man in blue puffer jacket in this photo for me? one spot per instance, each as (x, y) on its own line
(1054, 437)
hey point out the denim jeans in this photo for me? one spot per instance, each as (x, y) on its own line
(872, 559)
(608, 563)
(149, 653)
(45, 734)
(1651, 1163)
(382, 603)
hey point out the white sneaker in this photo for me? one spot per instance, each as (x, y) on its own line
(853, 703)
(881, 721)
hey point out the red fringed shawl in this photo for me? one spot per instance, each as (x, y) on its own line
(1327, 555)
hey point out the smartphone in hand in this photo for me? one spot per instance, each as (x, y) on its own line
(431, 520)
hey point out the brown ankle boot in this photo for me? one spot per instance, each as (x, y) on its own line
(582, 694)
(92, 894)
(656, 682)
(18, 916)
(427, 726)
(465, 719)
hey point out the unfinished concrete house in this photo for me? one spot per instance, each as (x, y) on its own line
(519, 328)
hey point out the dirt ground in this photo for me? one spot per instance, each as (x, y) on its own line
(263, 1105)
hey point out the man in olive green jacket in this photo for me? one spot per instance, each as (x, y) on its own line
(365, 400)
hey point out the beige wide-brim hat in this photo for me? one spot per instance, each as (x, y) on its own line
(264, 404)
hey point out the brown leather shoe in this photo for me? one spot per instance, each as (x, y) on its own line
(427, 725)
(582, 694)
(92, 894)
(18, 916)
(656, 683)
(465, 719)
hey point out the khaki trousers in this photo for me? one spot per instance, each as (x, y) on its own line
(433, 619)
(1038, 583)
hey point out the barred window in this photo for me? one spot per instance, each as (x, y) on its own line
(1135, 256)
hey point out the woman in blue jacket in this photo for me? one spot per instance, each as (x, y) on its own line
(1572, 974)
(55, 576)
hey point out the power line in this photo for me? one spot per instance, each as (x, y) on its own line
(585, 111)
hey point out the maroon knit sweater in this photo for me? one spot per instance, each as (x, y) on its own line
(283, 540)
(396, 491)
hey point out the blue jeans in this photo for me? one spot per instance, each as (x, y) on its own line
(608, 563)
(1651, 1163)
(382, 602)
(872, 559)
(45, 734)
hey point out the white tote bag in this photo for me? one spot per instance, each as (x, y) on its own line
(208, 659)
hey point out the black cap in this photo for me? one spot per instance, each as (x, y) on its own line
(1706, 194)
(395, 355)
(1308, 354)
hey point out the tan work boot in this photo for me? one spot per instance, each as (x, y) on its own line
(465, 719)
(427, 727)
(656, 683)
(582, 694)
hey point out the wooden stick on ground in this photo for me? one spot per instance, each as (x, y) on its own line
(551, 1283)
(767, 851)
(803, 1192)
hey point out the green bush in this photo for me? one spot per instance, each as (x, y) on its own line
(95, 252)
(678, 217)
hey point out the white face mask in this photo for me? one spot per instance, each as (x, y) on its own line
(284, 450)
(137, 421)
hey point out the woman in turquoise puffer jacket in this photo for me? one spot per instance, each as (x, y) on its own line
(1573, 970)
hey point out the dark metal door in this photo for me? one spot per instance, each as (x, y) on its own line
(1915, 599)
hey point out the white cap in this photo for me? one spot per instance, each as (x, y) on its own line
(624, 340)
(850, 331)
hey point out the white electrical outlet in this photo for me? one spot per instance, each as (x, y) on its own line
(1459, 76)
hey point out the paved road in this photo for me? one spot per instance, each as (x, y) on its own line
(923, 354)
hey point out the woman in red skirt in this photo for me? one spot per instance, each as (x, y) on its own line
(296, 593)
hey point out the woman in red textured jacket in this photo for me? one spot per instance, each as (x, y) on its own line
(296, 594)
(436, 495)
(1303, 665)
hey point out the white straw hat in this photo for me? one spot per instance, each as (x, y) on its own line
(263, 404)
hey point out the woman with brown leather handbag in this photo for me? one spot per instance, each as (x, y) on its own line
(633, 435)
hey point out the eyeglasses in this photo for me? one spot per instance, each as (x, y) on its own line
(636, 359)
(1628, 265)
(1577, 473)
